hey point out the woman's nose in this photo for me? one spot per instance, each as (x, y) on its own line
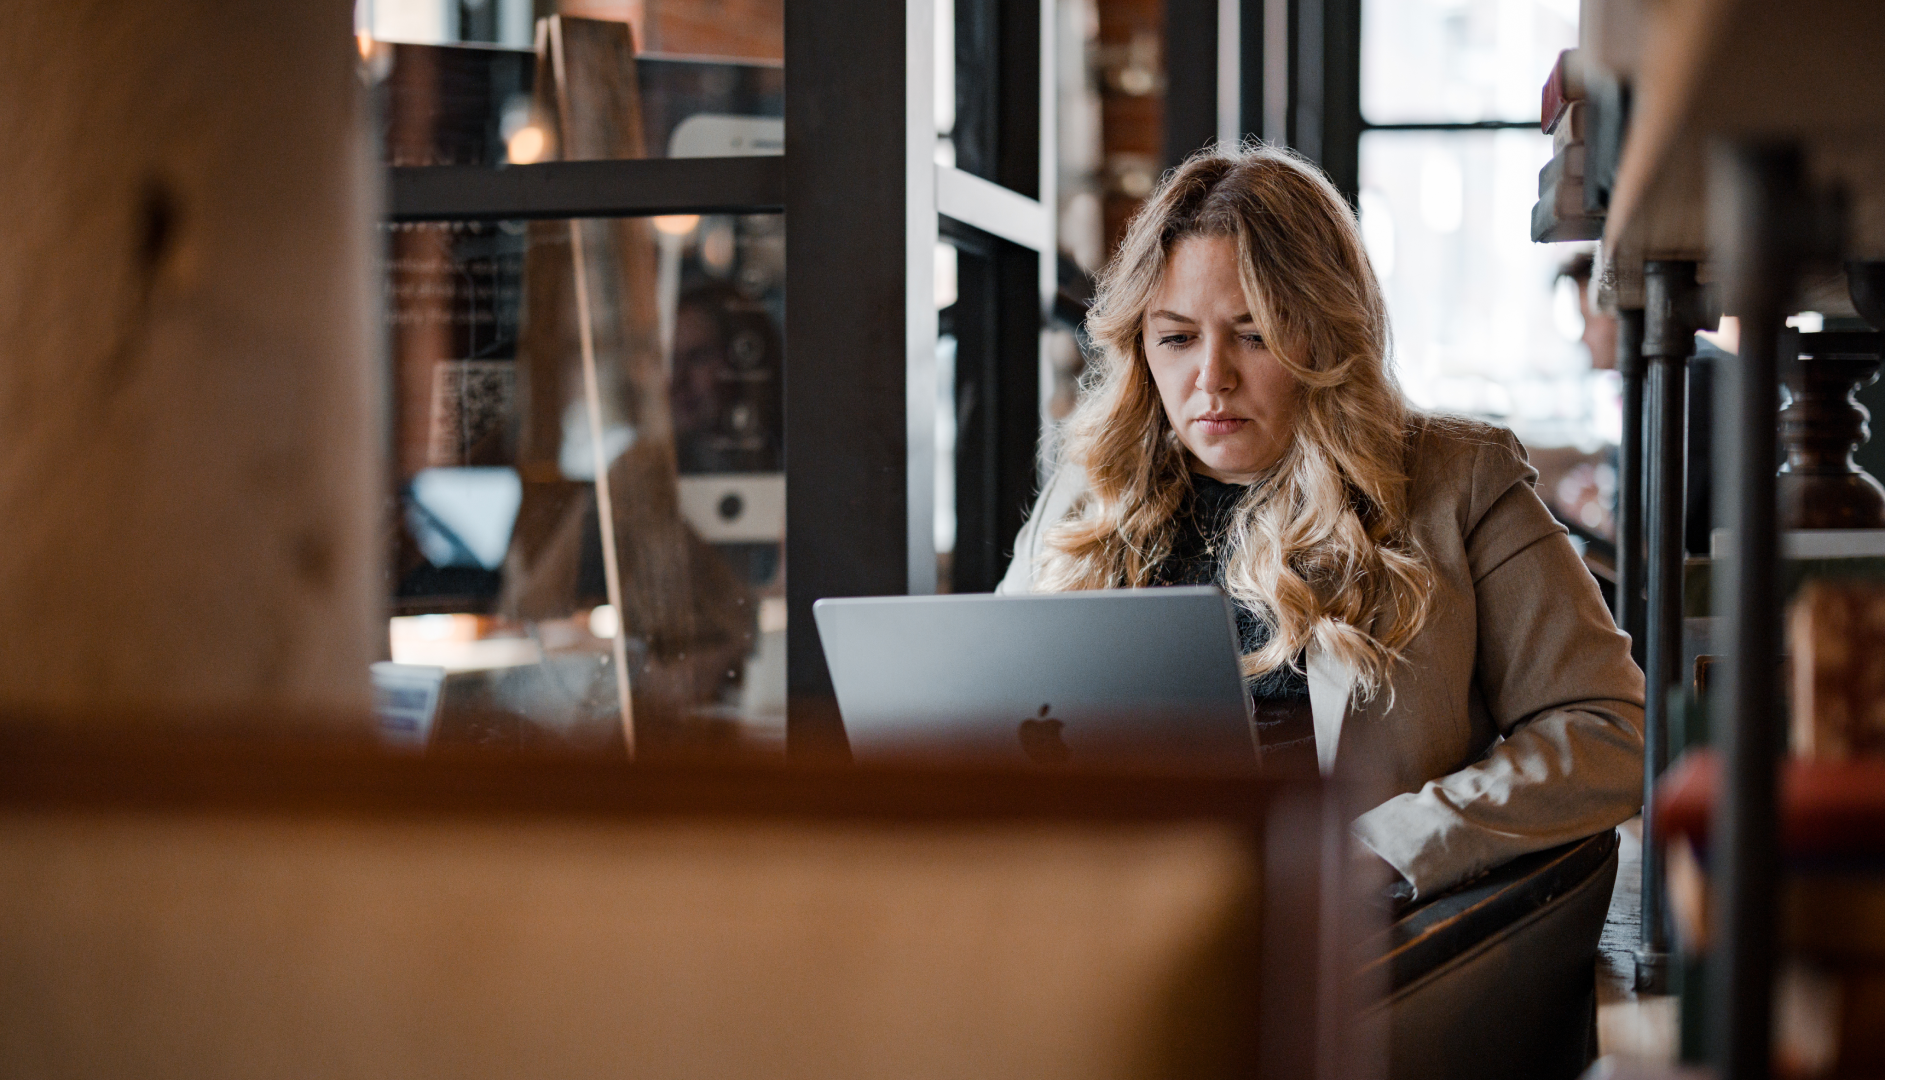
(1216, 369)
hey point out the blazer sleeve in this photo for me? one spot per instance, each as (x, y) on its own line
(1057, 496)
(1560, 684)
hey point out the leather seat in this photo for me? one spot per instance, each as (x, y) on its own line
(1496, 978)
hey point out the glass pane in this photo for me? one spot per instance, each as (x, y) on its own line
(507, 459)
(1460, 60)
(1480, 323)
(488, 105)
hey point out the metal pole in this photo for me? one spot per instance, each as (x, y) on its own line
(1755, 207)
(861, 226)
(1630, 562)
(1671, 315)
(1190, 44)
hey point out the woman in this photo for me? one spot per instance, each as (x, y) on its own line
(1407, 606)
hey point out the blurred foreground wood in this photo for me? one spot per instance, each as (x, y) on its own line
(188, 454)
(241, 911)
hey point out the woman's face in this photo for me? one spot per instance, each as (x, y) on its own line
(1230, 400)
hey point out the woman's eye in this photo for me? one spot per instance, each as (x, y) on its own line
(1175, 340)
(1254, 341)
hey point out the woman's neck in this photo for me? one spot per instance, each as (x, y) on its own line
(1201, 468)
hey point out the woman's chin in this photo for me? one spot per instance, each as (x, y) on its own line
(1232, 468)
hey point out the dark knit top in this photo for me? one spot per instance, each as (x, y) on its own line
(1282, 715)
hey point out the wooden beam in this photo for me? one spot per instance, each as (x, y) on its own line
(1810, 74)
(189, 454)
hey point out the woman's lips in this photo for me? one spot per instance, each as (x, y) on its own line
(1219, 425)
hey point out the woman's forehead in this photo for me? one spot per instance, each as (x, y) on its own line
(1202, 273)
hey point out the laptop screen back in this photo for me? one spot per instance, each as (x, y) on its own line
(1136, 679)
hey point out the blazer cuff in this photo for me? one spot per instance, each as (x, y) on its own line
(1401, 832)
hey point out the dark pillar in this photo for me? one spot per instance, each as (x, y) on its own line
(1190, 56)
(1630, 568)
(1323, 103)
(1253, 68)
(846, 403)
(1672, 313)
(1755, 206)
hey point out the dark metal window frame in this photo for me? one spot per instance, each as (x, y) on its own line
(1000, 67)
(586, 189)
(864, 204)
(863, 200)
(864, 207)
(1208, 46)
(643, 187)
(1322, 106)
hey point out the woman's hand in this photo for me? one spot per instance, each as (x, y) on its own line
(1375, 879)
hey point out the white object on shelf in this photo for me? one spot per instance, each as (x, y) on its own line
(705, 135)
(454, 642)
(406, 696)
(735, 507)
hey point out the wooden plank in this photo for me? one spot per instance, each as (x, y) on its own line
(189, 456)
(237, 914)
(1811, 73)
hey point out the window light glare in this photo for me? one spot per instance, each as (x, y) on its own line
(676, 224)
(527, 145)
(604, 621)
(946, 274)
(1376, 231)
(1442, 190)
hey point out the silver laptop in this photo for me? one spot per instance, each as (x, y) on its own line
(1125, 679)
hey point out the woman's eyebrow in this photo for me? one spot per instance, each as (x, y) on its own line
(1174, 316)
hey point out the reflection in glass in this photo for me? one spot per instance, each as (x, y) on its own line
(473, 105)
(1460, 60)
(748, 29)
(590, 504)
(498, 517)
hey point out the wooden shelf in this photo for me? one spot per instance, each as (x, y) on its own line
(1811, 73)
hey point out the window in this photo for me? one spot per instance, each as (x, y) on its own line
(587, 414)
(1450, 155)
(502, 452)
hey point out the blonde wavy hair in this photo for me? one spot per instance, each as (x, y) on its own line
(1320, 548)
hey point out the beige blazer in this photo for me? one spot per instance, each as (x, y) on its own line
(1514, 722)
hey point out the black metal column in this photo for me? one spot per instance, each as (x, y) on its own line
(1323, 98)
(1672, 312)
(1630, 516)
(1253, 68)
(1755, 209)
(1190, 56)
(846, 393)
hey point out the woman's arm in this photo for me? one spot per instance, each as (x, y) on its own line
(1560, 684)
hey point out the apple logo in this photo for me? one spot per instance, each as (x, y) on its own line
(1040, 738)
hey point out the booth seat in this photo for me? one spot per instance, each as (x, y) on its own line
(1496, 978)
